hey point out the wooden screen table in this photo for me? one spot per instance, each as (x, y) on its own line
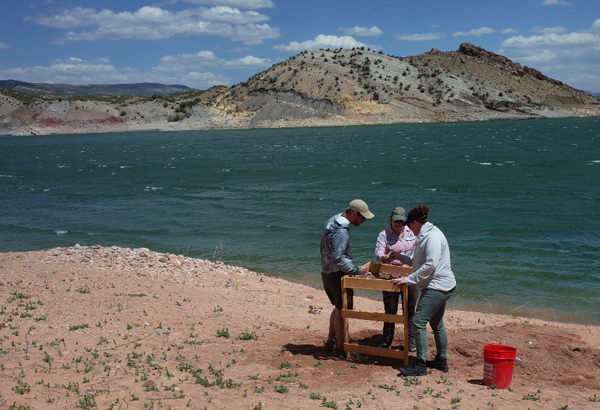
(360, 282)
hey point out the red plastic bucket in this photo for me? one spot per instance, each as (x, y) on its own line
(498, 365)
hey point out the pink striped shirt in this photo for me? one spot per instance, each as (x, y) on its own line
(388, 241)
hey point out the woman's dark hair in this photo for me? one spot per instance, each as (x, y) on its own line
(419, 213)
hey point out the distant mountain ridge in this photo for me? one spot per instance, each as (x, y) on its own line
(46, 90)
(314, 88)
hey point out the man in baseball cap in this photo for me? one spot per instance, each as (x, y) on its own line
(336, 262)
(360, 206)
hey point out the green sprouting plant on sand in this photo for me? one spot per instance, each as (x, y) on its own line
(281, 389)
(248, 336)
(413, 381)
(329, 404)
(223, 333)
(48, 360)
(285, 365)
(388, 388)
(87, 402)
(455, 400)
(535, 396)
(16, 406)
(21, 387)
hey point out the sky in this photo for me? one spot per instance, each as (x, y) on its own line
(202, 43)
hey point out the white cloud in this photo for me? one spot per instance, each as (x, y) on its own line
(596, 25)
(362, 31)
(569, 57)
(193, 70)
(231, 15)
(555, 41)
(252, 34)
(555, 3)
(510, 31)
(543, 57)
(249, 62)
(321, 41)
(419, 37)
(476, 32)
(549, 30)
(72, 70)
(154, 23)
(242, 4)
(204, 59)
(76, 17)
(2, 45)
(188, 61)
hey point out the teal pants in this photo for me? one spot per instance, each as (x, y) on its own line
(430, 309)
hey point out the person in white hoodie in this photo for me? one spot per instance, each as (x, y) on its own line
(432, 273)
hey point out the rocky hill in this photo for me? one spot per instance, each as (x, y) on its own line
(366, 87)
(321, 88)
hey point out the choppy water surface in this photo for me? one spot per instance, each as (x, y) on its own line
(519, 201)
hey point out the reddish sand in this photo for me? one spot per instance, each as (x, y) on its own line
(116, 328)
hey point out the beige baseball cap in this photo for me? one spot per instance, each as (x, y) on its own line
(360, 206)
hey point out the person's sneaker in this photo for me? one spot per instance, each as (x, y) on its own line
(385, 345)
(412, 348)
(417, 369)
(441, 364)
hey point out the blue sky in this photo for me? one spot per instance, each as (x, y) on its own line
(201, 43)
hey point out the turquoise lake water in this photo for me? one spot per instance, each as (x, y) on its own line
(519, 201)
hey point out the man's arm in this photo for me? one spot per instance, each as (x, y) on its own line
(340, 241)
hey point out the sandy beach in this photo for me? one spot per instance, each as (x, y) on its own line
(118, 328)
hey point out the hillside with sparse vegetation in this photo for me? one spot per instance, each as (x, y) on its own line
(369, 87)
(320, 88)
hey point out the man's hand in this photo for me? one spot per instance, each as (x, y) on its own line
(365, 268)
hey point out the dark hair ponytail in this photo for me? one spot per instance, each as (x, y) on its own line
(419, 213)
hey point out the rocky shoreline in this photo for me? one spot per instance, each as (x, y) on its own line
(77, 126)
